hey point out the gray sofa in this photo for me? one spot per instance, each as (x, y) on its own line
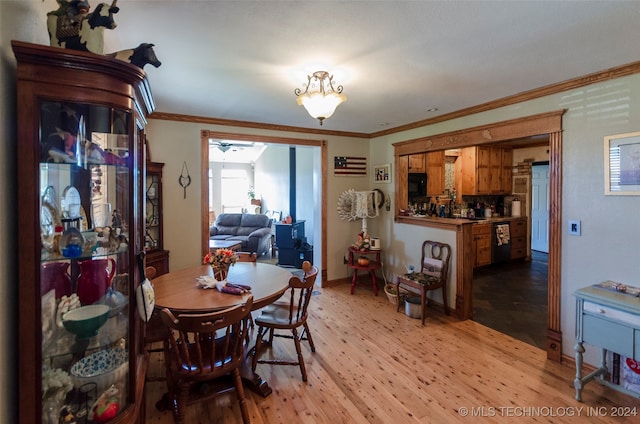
(253, 231)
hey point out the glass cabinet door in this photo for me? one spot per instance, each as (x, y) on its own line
(85, 210)
(152, 206)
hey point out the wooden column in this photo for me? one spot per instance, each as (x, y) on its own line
(554, 334)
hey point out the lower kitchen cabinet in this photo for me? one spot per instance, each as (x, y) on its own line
(481, 234)
(518, 230)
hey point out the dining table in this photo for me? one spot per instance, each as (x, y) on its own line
(180, 292)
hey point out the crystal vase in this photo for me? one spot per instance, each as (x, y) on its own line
(51, 406)
(220, 273)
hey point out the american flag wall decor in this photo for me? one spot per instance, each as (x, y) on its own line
(349, 165)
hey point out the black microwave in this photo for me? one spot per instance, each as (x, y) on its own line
(417, 184)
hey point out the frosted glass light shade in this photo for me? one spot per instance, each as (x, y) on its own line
(320, 98)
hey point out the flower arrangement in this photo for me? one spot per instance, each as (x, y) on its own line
(220, 261)
(56, 383)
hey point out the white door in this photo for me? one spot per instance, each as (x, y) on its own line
(540, 208)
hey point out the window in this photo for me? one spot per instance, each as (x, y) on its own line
(234, 188)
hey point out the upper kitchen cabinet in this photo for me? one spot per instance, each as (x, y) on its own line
(484, 170)
(435, 173)
(507, 171)
(417, 163)
(80, 121)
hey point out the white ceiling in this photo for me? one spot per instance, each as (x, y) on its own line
(242, 60)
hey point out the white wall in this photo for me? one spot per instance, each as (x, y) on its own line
(173, 142)
(272, 178)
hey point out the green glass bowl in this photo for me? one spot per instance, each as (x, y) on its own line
(85, 321)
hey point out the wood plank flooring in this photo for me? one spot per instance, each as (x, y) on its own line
(375, 365)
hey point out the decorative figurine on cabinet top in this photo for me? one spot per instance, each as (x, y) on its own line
(71, 26)
(139, 56)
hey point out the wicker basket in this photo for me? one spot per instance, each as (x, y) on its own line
(390, 291)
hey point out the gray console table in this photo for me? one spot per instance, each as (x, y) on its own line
(609, 319)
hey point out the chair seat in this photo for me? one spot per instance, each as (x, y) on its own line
(424, 279)
(277, 315)
(219, 360)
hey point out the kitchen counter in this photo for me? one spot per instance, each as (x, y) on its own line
(494, 219)
(430, 221)
(464, 249)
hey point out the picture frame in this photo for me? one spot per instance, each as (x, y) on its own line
(622, 164)
(382, 173)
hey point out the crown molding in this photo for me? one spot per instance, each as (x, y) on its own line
(166, 116)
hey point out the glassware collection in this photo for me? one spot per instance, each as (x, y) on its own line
(84, 154)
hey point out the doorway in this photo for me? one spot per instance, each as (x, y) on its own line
(512, 297)
(540, 207)
(319, 183)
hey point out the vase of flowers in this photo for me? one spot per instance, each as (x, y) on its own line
(220, 260)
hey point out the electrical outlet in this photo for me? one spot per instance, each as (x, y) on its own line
(574, 228)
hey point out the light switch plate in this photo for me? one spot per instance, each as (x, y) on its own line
(574, 228)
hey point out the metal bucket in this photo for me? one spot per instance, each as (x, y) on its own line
(412, 306)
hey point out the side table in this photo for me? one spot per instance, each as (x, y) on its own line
(610, 320)
(371, 267)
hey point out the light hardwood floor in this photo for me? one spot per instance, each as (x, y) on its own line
(375, 365)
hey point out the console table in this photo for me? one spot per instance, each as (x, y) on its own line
(609, 319)
(370, 267)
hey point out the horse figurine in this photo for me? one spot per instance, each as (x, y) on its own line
(73, 28)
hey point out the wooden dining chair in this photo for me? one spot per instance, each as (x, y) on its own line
(205, 348)
(434, 274)
(289, 313)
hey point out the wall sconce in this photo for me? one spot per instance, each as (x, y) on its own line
(320, 98)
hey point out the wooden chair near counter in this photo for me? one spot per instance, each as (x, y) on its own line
(288, 315)
(205, 349)
(434, 274)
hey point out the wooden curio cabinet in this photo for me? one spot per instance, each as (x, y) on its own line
(80, 225)
(157, 257)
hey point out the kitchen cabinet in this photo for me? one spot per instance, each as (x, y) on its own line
(518, 232)
(156, 257)
(435, 173)
(483, 170)
(481, 236)
(507, 171)
(80, 122)
(417, 163)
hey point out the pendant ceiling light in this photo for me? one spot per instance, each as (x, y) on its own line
(320, 98)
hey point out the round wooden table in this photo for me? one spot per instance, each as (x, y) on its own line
(179, 291)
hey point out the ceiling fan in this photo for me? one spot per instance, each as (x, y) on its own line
(224, 146)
